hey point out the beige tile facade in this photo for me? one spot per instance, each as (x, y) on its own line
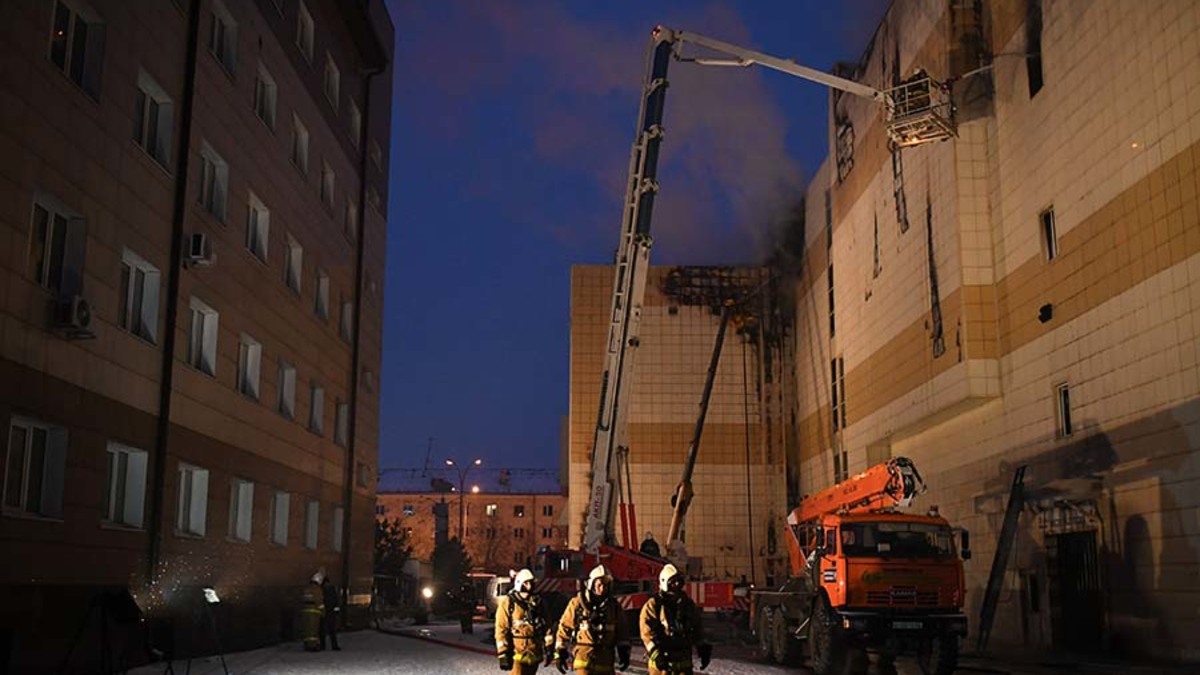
(503, 530)
(1110, 144)
(73, 146)
(737, 514)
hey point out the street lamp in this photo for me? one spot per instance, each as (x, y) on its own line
(463, 470)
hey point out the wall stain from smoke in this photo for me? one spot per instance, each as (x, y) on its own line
(939, 340)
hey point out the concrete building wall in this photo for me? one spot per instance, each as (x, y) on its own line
(1109, 145)
(503, 530)
(734, 525)
(70, 144)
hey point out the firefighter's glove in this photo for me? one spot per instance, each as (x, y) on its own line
(660, 660)
(561, 657)
(623, 657)
(506, 661)
(549, 659)
(705, 652)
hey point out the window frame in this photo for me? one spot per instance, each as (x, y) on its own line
(132, 507)
(321, 293)
(281, 507)
(293, 265)
(227, 51)
(331, 82)
(300, 142)
(153, 98)
(241, 505)
(337, 528)
(316, 408)
(187, 524)
(249, 376)
(213, 195)
(312, 524)
(286, 404)
(306, 32)
(87, 71)
(203, 355)
(341, 423)
(266, 96)
(138, 308)
(51, 469)
(258, 228)
(1048, 229)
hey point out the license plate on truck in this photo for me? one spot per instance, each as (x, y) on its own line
(907, 625)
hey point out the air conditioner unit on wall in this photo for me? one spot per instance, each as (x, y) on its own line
(73, 316)
(199, 251)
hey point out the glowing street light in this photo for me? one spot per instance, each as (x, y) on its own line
(463, 470)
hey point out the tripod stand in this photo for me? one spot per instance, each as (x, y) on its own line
(115, 607)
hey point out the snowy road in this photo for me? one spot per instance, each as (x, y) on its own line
(440, 650)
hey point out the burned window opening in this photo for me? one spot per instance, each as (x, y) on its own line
(898, 160)
(939, 340)
(1033, 46)
(845, 148)
(878, 266)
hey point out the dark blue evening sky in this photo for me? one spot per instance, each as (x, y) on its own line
(511, 132)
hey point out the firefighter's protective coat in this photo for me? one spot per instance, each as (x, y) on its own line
(596, 626)
(671, 625)
(522, 629)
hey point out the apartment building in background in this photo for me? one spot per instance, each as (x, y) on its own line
(1022, 303)
(502, 526)
(193, 207)
(736, 523)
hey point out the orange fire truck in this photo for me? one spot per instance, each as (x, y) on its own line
(865, 576)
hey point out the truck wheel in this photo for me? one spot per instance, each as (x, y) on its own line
(938, 655)
(788, 651)
(827, 648)
(764, 627)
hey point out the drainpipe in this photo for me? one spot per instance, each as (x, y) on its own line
(356, 346)
(174, 271)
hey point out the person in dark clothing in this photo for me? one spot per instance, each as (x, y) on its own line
(649, 546)
(466, 608)
(333, 608)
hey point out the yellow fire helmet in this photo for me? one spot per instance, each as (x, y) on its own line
(668, 573)
(521, 582)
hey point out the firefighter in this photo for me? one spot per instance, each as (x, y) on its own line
(671, 625)
(593, 624)
(312, 613)
(523, 636)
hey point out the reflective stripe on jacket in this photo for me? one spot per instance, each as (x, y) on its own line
(673, 625)
(595, 627)
(522, 629)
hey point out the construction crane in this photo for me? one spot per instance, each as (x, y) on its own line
(917, 111)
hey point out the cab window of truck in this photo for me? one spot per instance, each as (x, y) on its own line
(896, 540)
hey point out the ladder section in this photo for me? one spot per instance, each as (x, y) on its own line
(629, 288)
(1008, 532)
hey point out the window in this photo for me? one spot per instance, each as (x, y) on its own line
(258, 227)
(409, 510)
(518, 532)
(287, 390)
(1049, 235)
(316, 408)
(249, 366)
(490, 509)
(1063, 396)
(355, 124)
(1033, 46)
(369, 380)
(299, 145)
(152, 119)
(138, 311)
(265, 95)
(222, 38)
(547, 532)
(380, 510)
(327, 184)
(321, 303)
(333, 81)
(339, 514)
(58, 241)
(125, 486)
(519, 511)
(304, 33)
(312, 516)
(192, 506)
(214, 182)
(841, 460)
(347, 321)
(241, 509)
(341, 429)
(548, 510)
(281, 503)
(202, 338)
(35, 468)
(351, 227)
(293, 264)
(838, 401)
(77, 44)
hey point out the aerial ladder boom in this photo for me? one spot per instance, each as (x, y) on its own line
(629, 287)
(892, 483)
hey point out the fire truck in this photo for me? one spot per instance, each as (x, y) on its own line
(866, 576)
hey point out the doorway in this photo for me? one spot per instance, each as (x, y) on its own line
(1076, 600)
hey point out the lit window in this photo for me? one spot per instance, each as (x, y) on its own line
(491, 509)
